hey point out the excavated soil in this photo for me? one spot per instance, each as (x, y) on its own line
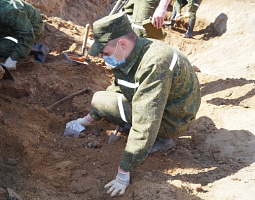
(214, 160)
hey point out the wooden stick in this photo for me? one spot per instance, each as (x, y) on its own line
(85, 39)
(115, 7)
(68, 97)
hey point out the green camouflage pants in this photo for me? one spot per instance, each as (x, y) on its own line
(179, 4)
(139, 10)
(6, 47)
(114, 107)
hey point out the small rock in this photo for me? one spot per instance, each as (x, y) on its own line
(12, 162)
(89, 145)
(97, 144)
(11, 195)
(196, 69)
(149, 174)
(216, 151)
(2, 193)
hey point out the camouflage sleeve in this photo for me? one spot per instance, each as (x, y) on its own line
(147, 110)
(36, 19)
(19, 22)
(114, 87)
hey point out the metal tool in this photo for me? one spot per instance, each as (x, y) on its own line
(81, 59)
(114, 135)
(7, 74)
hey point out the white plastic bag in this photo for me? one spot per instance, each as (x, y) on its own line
(73, 129)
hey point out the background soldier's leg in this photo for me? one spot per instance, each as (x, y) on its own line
(6, 48)
(129, 7)
(192, 19)
(143, 10)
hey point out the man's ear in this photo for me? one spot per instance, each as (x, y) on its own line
(123, 43)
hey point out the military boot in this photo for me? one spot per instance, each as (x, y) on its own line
(162, 144)
(172, 20)
(188, 34)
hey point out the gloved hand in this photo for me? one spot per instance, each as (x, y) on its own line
(177, 16)
(119, 184)
(10, 64)
(187, 14)
(85, 121)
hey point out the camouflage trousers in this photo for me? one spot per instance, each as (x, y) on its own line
(140, 10)
(6, 47)
(179, 4)
(115, 108)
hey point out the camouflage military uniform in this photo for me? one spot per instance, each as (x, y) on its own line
(139, 10)
(191, 7)
(20, 26)
(156, 90)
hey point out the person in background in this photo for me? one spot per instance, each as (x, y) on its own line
(192, 6)
(21, 25)
(155, 90)
(140, 10)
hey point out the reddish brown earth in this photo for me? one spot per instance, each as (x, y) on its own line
(214, 160)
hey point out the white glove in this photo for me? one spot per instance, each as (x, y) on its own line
(85, 121)
(119, 184)
(10, 64)
(177, 16)
(187, 14)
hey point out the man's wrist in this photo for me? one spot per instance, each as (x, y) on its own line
(164, 3)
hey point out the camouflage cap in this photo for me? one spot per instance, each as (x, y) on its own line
(109, 28)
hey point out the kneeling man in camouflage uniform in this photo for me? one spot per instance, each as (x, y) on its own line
(21, 25)
(155, 90)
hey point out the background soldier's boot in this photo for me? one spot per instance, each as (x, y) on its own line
(172, 21)
(188, 34)
(162, 144)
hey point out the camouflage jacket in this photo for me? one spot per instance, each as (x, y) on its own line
(23, 22)
(163, 89)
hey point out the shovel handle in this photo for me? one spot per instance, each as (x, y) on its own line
(85, 39)
(115, 7)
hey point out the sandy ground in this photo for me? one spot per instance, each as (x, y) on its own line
(214, 160)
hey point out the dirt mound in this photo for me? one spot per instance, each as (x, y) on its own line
(213, 160)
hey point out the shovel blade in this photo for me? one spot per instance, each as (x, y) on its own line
(77, 59)
(7, 74)
(113, 137)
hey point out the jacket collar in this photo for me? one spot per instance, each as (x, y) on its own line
(134, 56)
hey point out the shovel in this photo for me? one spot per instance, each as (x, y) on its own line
(79, 59)
(114, 135)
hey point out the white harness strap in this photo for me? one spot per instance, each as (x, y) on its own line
(12, 39)
(128, 84)
(195, 4)
(121, 109)
(137, 26)
(174, 59)
(14, 4)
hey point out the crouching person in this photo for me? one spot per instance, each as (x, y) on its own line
(155, 90)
